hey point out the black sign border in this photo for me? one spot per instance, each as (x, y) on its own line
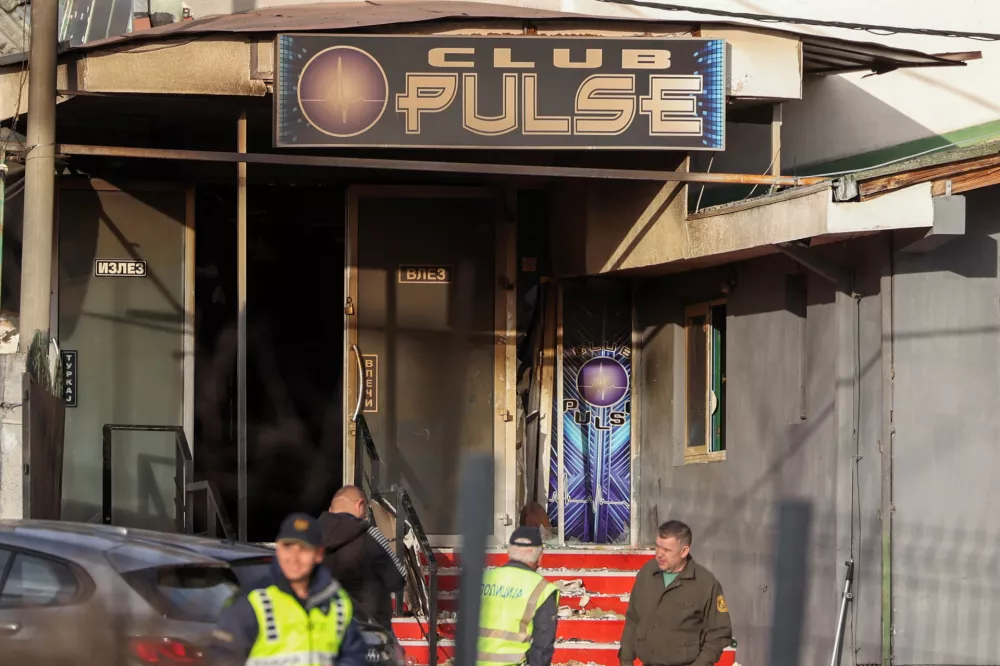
(63, 355)
(145, 265)
(276, 97)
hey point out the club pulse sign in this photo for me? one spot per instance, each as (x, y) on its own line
(500, 92)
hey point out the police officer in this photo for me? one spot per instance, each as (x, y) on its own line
(297, 616)
(518, 615)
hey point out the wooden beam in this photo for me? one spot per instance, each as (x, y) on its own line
(965, 182)
(871, 188)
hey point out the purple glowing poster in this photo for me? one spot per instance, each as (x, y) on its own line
(594, 414)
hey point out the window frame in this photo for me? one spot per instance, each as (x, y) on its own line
(702, 453)
(84, 584)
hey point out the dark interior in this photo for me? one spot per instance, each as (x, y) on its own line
(294, 315)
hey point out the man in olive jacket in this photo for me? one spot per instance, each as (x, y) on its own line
(677, 613)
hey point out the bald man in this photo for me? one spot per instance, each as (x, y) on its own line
(359, 556)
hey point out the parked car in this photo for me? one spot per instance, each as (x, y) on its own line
(80, 593)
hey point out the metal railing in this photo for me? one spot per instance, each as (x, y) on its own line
(405, 514)
(185, 487)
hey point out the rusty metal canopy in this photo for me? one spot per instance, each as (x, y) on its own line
(821, 55)
(825, 55)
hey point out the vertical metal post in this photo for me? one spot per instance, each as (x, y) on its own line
(359, 467)
(180, 486)
(400, 546)
(106, 480)
(635, 418)
(845, 600)
(558, 418)
(776, 117)
(432, 633)
(886, 439)
(3, 198)
(474, 523)
(39, 177)
(241, 344)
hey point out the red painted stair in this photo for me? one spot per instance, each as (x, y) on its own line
(596, 583)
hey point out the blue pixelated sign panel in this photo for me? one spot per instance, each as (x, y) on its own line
(500, 92)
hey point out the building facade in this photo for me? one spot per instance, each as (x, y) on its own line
(255, 248)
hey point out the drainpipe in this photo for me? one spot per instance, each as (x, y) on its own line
(39, 176)
(886, 442)
(3, 197)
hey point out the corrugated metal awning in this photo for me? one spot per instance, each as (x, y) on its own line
(825, 55)
(822, 55)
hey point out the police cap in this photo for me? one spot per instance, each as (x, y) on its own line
(526, 536)
(300, 527)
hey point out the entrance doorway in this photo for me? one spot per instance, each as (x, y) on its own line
(592, 456)
(429, 309)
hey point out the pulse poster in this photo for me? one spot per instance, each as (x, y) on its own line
(594, 420)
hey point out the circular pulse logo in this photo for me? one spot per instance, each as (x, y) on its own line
(343, 91)
(602, 381)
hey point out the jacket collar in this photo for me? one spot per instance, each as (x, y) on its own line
(518, 565)
(689, 572)
(322, 586)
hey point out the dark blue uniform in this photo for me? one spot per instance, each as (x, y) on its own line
(237, 628)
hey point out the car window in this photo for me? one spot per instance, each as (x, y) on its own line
(4, 556)
(193, 593)
(35, 581)
(251, 574)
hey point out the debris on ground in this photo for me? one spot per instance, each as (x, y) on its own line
(599, 613)
(572, 588)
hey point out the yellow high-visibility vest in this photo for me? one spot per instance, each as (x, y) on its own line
(289, 634)
(510, 598)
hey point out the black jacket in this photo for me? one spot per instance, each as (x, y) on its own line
(359, 556)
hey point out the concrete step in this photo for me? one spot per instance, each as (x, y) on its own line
(601, 581)
(577, 652)
(608, 557)
(614, 603)
(597, 630)
(597, 582)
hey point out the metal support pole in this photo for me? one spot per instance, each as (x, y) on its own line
(39, 177)
(3, 199)
(838, 642)
(561, 441)
(241, 344)
(400, 535)
(474, 523)
(517, 170)
(432, 633)
(886, 441)
(776, 140)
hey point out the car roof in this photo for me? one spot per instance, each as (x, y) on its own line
(227, 551)
(127, 549)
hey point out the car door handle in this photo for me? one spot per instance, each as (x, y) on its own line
(10, 627)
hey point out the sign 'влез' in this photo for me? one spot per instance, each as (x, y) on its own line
(500, 92)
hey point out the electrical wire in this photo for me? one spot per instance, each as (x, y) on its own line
(766, 171)
(881, 30)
